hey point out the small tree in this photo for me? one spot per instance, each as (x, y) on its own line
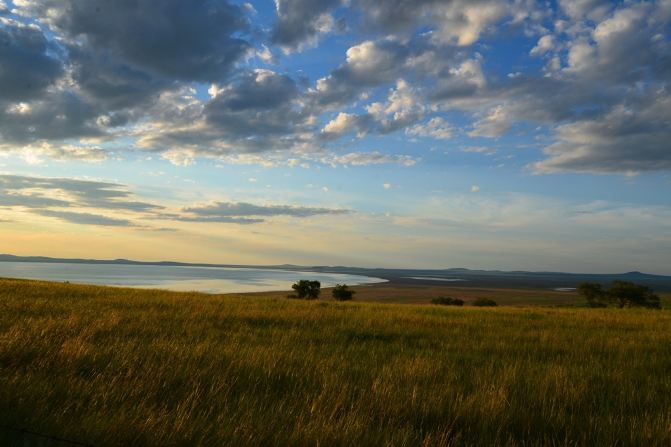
(342, 293)
(307, 290)
(447, 301)
(628, 294)
(593, 293)
(621, 293)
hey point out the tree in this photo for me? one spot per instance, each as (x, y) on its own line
(628, 294)
(593, 293)
(447, 301)
(621, 293)
(342, 293)
(307, 290)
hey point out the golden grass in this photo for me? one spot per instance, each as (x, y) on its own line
(112, 366)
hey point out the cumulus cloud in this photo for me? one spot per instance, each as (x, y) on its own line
(436, 128)
(585, 9)
(75, 74)
(143, 33)
(257, 111)
(465, 80)
(342, 124)
(456, 21)
(106, 65)
(368, 64)
(28, 63)
(545, 44)
(494, 124)
(300, 22)
(627, 139)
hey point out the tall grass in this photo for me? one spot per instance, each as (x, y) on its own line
(111, 366)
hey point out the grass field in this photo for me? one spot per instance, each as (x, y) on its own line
(108, 366)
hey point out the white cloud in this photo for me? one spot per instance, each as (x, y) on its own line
(545, 44)
(479, 150)
(436, 128)
(180, 157)
(341, 124)
(369, 158)
(494, 124)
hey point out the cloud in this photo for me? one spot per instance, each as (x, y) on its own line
(627, 139)
(85, 218)
(257, 111)
(494, 124)
(40, 192)
(479, 150)
(88, 202)
(143, 33)
(105, 67)
(545, 44)
(369, 158)
(79, 74)
(458, 22)
(34, 153)
(436, 128)
(300, 22)
(585, 9)
(28, 63)
(248, 213)
(368, 64)
(341, 125)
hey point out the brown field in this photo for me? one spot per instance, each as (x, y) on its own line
(403, 293)
(391, 292)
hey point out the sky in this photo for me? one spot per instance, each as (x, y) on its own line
(488, 134)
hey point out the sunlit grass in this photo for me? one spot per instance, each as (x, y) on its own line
(113, 366)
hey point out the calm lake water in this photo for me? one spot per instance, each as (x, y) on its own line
(202, 279)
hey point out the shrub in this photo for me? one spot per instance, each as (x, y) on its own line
(447, 301)
(307, 290)
(342, 293)
(484, 302)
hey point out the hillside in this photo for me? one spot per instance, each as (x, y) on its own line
(108, 366)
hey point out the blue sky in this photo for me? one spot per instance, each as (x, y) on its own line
(426, 133)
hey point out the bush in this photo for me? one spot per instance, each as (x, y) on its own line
(342, 293)
(306, 290)
(484, 302)
(447, 301)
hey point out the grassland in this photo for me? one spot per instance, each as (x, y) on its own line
(109, 366)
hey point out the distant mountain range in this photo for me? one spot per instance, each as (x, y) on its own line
(458, 276)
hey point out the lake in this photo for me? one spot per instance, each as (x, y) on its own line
(178, 278)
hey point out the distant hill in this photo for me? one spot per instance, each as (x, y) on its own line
(464, 277)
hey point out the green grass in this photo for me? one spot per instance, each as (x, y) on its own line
(111, 366)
